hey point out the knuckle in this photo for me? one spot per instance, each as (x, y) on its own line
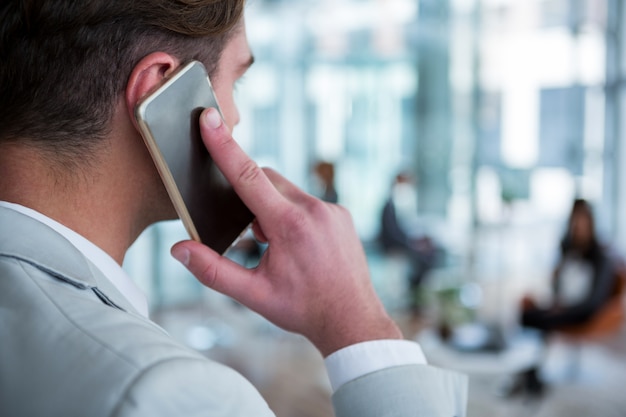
(320, 210)
(316, 207)
(302, 218)
(209, 275)
(223, 139)
(249, 173)
(295, 219)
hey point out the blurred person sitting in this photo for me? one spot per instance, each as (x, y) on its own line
(400, 231)
(583, 282)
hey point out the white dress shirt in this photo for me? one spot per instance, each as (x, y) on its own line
(345, 365)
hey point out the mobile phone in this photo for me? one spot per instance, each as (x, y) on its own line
(168, 119)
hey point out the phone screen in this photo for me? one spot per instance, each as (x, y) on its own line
(169, 122)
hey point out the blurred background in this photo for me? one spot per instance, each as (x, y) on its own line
(498, 114)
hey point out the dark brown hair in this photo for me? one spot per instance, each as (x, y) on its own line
(64, 63)
(581, 207)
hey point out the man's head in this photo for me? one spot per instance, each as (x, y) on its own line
(66, 63)
(71, 73)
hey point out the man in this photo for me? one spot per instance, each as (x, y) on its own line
(77, 187)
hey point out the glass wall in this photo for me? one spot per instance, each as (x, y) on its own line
(324, 90)
(615, 151)
(500, 108)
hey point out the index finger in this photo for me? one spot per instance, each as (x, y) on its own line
(247, 178)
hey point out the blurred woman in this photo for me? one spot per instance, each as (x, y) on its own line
(584, 281)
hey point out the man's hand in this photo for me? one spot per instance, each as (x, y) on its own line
(313, 278)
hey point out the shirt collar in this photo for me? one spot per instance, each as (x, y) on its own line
(99, 258)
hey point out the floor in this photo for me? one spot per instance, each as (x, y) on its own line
(289, 372)
(583, 380)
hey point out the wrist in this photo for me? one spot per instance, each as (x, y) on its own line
(361, 330)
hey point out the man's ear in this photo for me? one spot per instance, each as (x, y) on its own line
(147, 75)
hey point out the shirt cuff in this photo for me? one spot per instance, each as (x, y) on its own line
(360, 359)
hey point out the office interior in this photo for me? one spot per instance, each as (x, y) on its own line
(504, 111)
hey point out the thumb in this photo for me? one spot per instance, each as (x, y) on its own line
(213, 270)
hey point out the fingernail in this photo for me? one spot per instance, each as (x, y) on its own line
(213, 118)
(182, 255)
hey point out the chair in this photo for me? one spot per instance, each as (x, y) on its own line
(605, 323)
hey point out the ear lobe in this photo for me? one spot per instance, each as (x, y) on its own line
(147, 75)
